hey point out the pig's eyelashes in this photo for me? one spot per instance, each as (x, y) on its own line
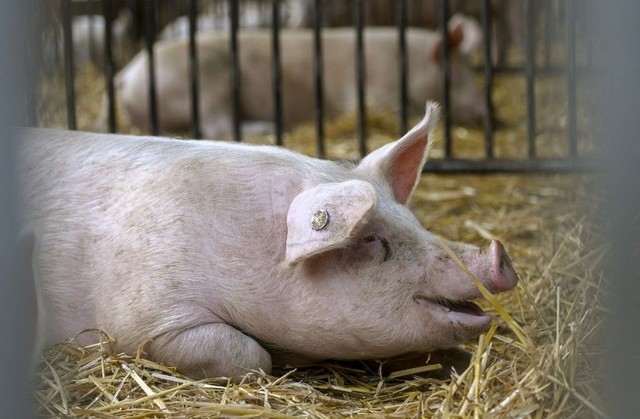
(387, 250)
(385, 244)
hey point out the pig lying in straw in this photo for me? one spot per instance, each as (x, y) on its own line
(424, 49)
(226, 255)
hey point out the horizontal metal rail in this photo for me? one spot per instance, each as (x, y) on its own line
(522, 166)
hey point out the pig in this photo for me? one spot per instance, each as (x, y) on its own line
(233, 257)
(382, 80)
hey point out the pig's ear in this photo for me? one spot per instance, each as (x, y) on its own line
(327, 217)
(471, 33)
(400, 163)
(456, 36)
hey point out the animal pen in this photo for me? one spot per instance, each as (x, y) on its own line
(535, 149)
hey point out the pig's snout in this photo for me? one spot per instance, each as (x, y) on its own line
(503, 276)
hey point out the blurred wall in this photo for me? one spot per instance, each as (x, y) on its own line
(616, 24)
(15, 354)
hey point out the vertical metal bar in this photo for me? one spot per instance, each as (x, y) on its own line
(547, 10)
(193, 69)
(571, 77)
(34, 59)
(417, 13)
(69, 69)
(92, 35)
(488, 80)
(31, 117)
(401, 19)
(587, 22)
(276, 68)
(235, 72)
(135, 15)
(109, 68)
(443, 17)
(150, 22)
(318, 72)
(361, 78)
(530, 67)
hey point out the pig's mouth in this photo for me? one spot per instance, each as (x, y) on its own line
(465, 313)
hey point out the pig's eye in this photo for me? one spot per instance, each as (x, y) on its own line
(370, 238)
(385, 244)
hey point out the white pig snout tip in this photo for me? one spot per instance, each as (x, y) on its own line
(504, 275)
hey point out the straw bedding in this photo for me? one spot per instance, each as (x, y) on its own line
(537, 360)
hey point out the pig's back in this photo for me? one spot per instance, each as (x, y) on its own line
(89, 167)
(339, 52)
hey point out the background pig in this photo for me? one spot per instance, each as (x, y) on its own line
(425, 82)
(231, 257)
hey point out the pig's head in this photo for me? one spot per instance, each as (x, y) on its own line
(465, 35)
(375, 283)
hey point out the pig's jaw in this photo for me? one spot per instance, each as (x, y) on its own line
(463, 313)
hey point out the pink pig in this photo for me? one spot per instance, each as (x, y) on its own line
(233, 257)
(424, 49)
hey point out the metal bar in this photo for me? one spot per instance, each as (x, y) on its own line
(520, 166)
(92, 35)
(546, 7)
(109, 68)
(150, 23)
(135, 14)
(361, 78)
(33, 61)
(401, 19)
(530, 68)
(417, 12)
(31, 116)
(276, 69)
(553, 70)
(443, 17)
(571, 78)
(587, 22)
(69, 69)
(318, 77)
(235, 72)
(488, 80)
(193, 69)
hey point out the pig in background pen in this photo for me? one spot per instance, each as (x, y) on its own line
(424, 50)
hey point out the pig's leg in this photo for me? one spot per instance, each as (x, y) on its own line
(211, 350)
